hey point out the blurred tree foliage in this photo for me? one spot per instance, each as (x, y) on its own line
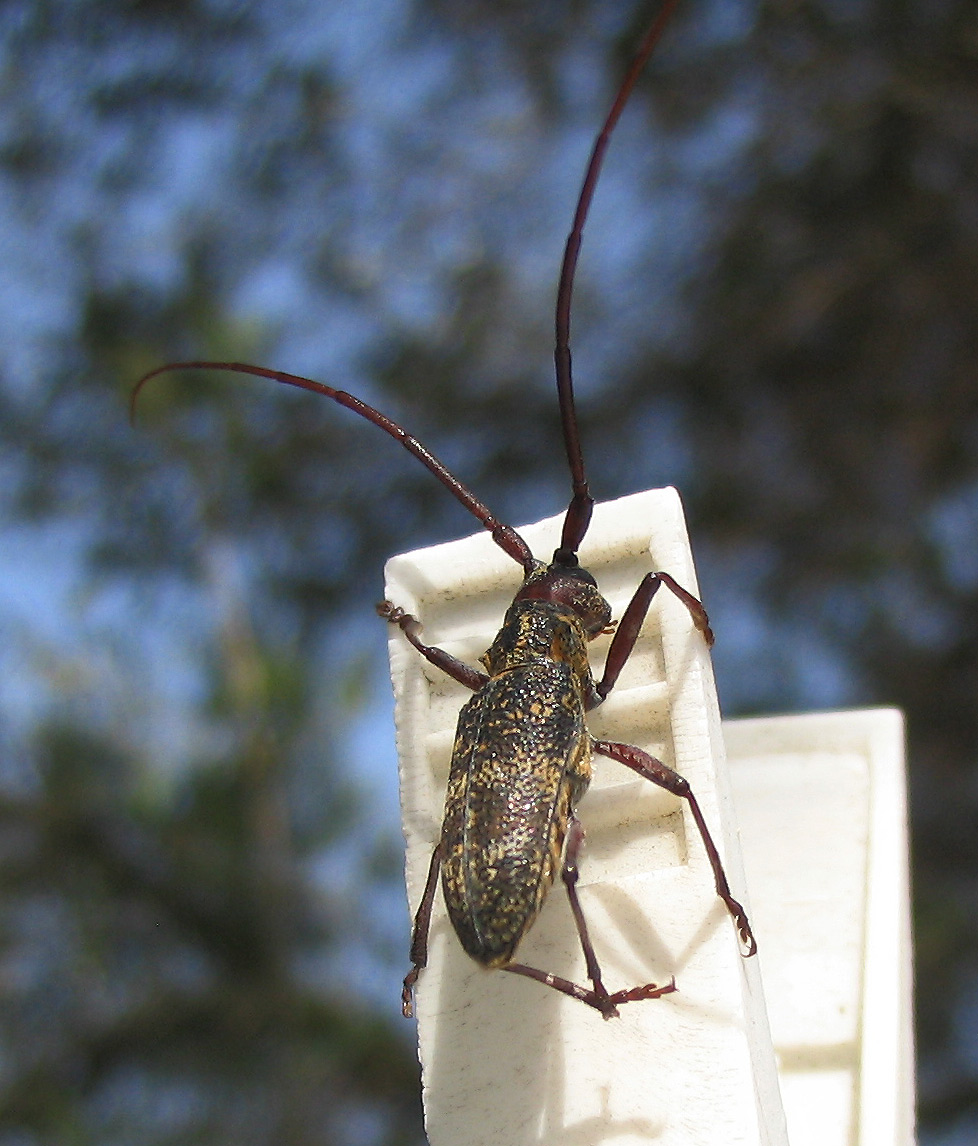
(776, 311)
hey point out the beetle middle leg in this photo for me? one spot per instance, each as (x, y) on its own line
(652, 769)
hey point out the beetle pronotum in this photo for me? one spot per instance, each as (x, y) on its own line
(522, 750)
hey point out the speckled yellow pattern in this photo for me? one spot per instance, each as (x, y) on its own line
(522, 760)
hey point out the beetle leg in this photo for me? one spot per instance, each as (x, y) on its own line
(695, 606)
(419, 936)
(570, 875)
(606, 1004)
(410, 626)
(627, 633)
(602, 1003)
(631, 622)
(639, 994)
(659, 773)
(598, 997)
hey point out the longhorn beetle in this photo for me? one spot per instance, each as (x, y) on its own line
(521, 760)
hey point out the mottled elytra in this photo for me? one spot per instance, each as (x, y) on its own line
(522, 753)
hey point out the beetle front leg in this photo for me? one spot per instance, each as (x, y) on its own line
(630, 624)
(410, 626)
(659, 773)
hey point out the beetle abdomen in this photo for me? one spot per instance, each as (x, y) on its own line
(521, 762)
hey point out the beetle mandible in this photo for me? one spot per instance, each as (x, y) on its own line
(521, 759)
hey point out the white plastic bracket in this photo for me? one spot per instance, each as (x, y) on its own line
(504, 1059)
(821, 803)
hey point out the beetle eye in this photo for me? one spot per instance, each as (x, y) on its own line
(592, 608)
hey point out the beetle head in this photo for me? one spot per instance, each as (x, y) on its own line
(572, 586)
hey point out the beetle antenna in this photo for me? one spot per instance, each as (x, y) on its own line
(579, 511)
(578, 514)
(504, 535)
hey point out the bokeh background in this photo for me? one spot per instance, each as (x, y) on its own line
(202, 928)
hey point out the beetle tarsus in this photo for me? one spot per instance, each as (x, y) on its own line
(648, 991)
(407, 993)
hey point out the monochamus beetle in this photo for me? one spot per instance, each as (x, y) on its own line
(521, 758)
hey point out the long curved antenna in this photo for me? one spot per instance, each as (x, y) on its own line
(579, 511)
(504, 535)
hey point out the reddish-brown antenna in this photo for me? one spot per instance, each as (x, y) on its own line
(579, 510)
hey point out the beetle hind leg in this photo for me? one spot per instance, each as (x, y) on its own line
(601, 1001)
(597, 995)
